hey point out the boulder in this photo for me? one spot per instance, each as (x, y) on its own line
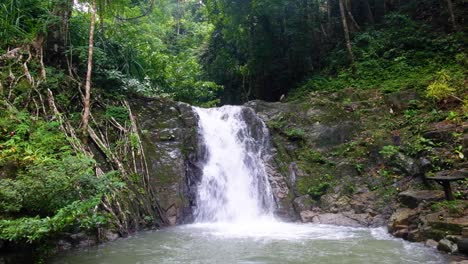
(111, 236)
(442, 131)
(447, 246)
(173, 159)
(463, 246)
(431, 243)
(63, 245)
(303, 203)
(335, 219)
(412, 198)
(445, 223)
(465, 232)
(308, 216)
(405, 164)
(402, 216)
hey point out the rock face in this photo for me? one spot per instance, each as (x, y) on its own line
(447, 246)
(412, 198)
(173, 154)
(320, 127)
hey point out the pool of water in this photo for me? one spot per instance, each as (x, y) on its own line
(261, 242)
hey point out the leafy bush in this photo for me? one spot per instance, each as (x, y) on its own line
(320, 187)
(295, 133)
(389, 151)
(30, 229)
(444, 86)
(45, 188)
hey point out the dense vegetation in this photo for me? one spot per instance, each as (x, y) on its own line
(201, 52)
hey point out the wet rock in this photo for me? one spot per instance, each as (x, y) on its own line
(447, 246)
(412, 198)
(111, 236)
(63, 245)
(173, 158)
(87, 243)
(401, 100)
(402, 217)
(308, 216)
(171, 214)
(465, 232)
(442, 131)
(431, 243)
(453, 173)
(344, 169)
(405, 164)
(401, 233)
(304, 203)
(462, 245)
(336, 219)
(443, 223)
(82, 240)
(453, 238)
(334, 202)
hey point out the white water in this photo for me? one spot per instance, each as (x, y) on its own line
(234, 186)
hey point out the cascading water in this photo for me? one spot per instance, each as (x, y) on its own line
(234, 186)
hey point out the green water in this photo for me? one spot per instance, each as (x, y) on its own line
(256, 243)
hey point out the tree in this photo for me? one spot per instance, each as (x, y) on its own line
(86, 103)
(452, 15)
(346, 33)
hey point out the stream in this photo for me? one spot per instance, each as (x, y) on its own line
(234, 216)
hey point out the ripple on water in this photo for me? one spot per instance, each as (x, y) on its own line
(257, 243)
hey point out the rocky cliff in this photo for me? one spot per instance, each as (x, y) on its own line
(363, 158)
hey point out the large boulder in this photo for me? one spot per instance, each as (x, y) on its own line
(402, 218)
(447, 246)
(412, 198)
(173, 155)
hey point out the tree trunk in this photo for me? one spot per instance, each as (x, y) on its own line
(87, 98)
(346, 33)
(329, 17)
(370, 16)
(452, 15)
(351, 17)
(57, 33)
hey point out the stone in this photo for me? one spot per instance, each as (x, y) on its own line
(308, 216)
(402, 233)
(447, 246)
(111, 236)
(441, 131)
(337, 219)
(412, 198)
(414, 235)
(402, 216)
(463, 245)
(445, 223)
(453, 238)
(431, 243)
(465, 232)
(174, 159)
(405, 164)
(303, 203)
(87, 243)
(63, 245)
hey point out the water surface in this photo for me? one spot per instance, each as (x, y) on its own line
(261, 242)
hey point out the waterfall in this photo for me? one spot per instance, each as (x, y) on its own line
(234, 186)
